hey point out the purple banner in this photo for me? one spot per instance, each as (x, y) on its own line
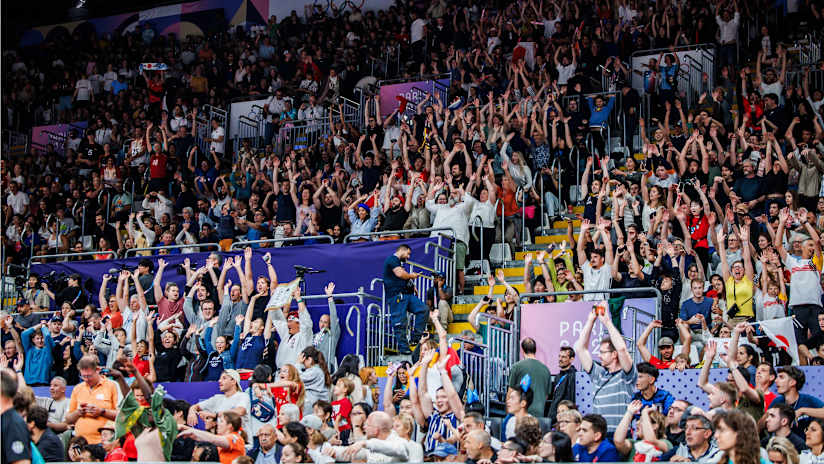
(40, 134)
(553, 325)
(349, 266)
(413, 92)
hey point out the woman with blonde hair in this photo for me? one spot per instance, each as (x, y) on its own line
(288, 388)
(781, 451)
(370, 382)
(404, 424)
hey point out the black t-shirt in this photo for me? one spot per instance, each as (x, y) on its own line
(89, 151)
(16, 440)
(394, 219)
(74, 295)
(798, 442)
(166, 364)
(50, 447)
(329, 216)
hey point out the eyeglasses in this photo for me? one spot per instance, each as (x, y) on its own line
(690, 429)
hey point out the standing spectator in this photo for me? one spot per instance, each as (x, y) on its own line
(294, 330)
(93, 402)
(38, 345)
(805, 276)
(16, 445)
(400, 295)
(563, 383)
(614, 376)
(538, 373)
(596, 269)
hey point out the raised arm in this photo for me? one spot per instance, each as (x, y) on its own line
(582, 344)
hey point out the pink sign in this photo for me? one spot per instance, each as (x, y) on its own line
(392, 95)
(554, 325)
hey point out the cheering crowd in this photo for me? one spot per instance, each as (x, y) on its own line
(718, 204)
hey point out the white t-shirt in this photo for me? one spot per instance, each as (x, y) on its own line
(18, 202)
(776, 87)
(416, 30)
(549, 27)
(216, 134)
(565, 72)
(221, 402)
(596, 279)
(805, 283)
(108, 78)
(84, 89)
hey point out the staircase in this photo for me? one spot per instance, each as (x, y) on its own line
(513, 273)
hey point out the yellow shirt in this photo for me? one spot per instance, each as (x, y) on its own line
(103, 395)
(742, 295)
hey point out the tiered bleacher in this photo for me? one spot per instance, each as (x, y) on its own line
(471, 231)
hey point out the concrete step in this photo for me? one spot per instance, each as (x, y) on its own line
(498, 289)
(555, 238)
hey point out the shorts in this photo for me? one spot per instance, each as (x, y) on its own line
(460, 255)
(65, 103)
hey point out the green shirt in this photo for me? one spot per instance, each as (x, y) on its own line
(540, 384)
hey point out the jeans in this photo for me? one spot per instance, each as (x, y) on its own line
(268, 133)
(552, 206)
(399, 305)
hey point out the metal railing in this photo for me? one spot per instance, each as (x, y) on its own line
(243, 244)
(502, 339)
(72, 255)
(476, 366)
(134, 251)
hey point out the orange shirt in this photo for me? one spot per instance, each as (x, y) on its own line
(508, 202)
(103, 395)
(237, 447)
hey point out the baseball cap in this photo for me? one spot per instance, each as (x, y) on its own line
(312, 422)
(57, 317)
(293, 316)
(665, 341)
(109, 425)
(234, 375)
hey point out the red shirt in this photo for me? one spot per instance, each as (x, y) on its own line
(155, 91)
(284, 395)
(115, 317)
(141, 364)
(157, 166)
(768, 399)
(116, 455)
(342, 408)
(659, 363)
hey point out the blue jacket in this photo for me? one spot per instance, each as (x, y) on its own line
(226, 357)
(662, 399)
(39, 361)
(599, 117)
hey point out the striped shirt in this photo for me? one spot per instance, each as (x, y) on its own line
(611, 393)
(437, 425)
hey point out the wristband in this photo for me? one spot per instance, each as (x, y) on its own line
(300, 300)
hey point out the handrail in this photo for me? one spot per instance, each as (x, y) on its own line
(658, 295)
(399, 232)
(422, 77)
(69, 255)
(172, 247)
(683, 48)
(360, 294)
(422, 266)
(252, 122)
(435, 245)
(238, 245)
